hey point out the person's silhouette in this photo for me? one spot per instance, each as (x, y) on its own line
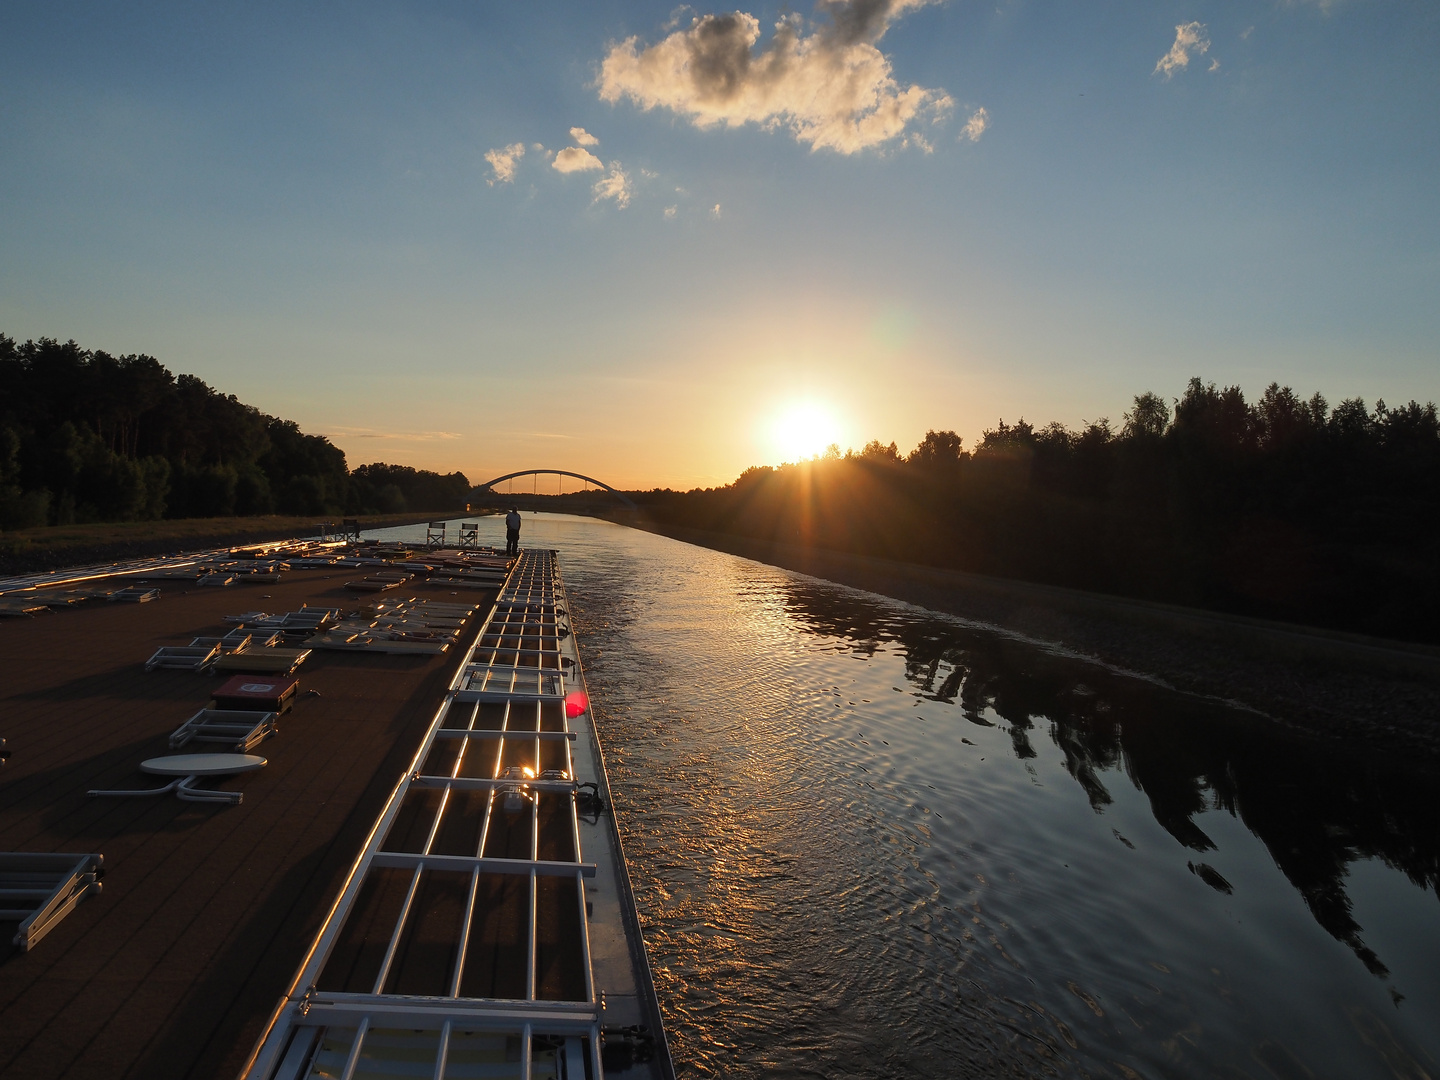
(512, 532)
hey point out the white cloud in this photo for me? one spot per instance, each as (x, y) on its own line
(671, 211)
(830, 88)
(583, 137)
(503, 161)
(1214, 66)
(715, 210)
(613, 185)
(976, 125)
(408, 436)
(1190, 38)
(574, 159)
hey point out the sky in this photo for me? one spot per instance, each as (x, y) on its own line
(658, 245)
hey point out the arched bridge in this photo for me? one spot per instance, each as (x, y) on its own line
(490, 484)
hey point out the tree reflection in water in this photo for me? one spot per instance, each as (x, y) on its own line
(1317, 807)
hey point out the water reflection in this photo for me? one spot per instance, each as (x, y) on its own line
(871, 841)
(1316, 811)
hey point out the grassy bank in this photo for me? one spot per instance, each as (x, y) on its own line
(55, 546)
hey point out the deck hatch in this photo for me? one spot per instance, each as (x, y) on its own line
(460, 945)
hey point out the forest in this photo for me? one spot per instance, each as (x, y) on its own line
(1281, 508)
(87, 436)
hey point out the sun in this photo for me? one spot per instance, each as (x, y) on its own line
(804, 429)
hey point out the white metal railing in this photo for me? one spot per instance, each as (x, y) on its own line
(525, 759)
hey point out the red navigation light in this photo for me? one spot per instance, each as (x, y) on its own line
(575, 704)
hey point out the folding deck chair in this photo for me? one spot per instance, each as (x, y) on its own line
(251, 577)
(298, 624)
(372, 584)
(60, 597)
(239, 639)
(245, 617)
(274, 661)
(40, 889)
(365, 641)
(182, 657)
(136, 595)
(233, 642)
(237, 729)
(467, 582)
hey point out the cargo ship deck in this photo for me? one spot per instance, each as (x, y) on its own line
(415, 884)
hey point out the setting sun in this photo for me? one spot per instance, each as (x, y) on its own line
(804, 429)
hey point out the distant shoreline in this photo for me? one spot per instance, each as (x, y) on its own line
(56, 547)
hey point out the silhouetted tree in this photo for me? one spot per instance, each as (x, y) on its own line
(87, 436)
(1283, 508)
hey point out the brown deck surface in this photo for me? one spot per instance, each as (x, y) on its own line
(207, 910)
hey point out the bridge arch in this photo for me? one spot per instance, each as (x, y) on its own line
(490, 484)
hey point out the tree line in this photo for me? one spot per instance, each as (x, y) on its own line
(1279, 508)
(87, 436)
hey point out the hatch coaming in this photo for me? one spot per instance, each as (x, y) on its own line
(472, 936)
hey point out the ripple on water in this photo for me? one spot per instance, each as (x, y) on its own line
(868, 840)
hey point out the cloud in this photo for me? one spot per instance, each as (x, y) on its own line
(1190, 38)
(864, 20)
(671, 211)
(830, 87)
(503, 161)
(976, 125)
(574, 159)
(408, 436)
(613, 185)
(583, 137)
(715, 211)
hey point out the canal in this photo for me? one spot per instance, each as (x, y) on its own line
(871, 840)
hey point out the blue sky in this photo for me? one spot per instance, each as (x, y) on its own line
(296, 204)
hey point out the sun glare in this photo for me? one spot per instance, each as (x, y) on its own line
(803, 430)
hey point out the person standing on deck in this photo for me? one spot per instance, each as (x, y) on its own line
(512, 532)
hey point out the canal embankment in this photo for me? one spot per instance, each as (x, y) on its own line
(1384, 694)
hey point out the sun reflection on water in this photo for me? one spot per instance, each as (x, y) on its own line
(871, 841)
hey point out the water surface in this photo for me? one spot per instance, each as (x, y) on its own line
(870, 840)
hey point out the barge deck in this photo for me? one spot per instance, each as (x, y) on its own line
(486, 921)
